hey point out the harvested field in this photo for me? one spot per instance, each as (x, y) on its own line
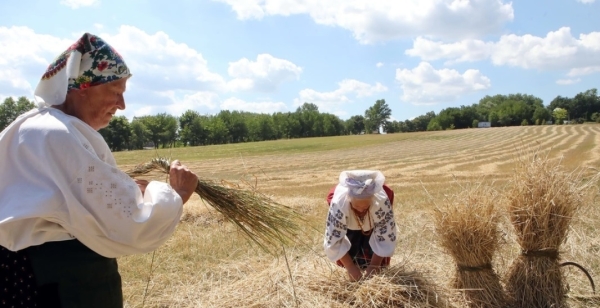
(208, 263)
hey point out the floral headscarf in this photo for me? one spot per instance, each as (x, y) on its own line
(88, 62)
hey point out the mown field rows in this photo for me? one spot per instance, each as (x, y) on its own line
(208, 264)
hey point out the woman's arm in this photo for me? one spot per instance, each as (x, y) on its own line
(353, 270)
(374, 266)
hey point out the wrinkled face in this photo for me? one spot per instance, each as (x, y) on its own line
(360, 205)
(98, 104)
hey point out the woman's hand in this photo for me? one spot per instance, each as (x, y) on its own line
(372, 270)
(142, 185)
(182, 180)
(353, 271)
(375, 265)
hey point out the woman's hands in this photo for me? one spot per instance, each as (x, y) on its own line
(182, 180)
(353, 271)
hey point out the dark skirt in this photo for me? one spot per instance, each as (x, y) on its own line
(360, 250)
(63, 274)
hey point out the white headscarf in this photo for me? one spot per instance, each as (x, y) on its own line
(362, 184)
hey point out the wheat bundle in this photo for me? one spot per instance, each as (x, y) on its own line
(393, 287)
(466, 225)
(264, 221)
(541, 204)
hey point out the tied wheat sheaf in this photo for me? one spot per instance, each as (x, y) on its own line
(542, 201)
(466, 225)
(262, 220)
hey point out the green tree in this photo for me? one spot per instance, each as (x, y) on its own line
(541, 115)
(186, 131)
(139, 135)
(434, 125)
(559, 114)
(218, 133)
(420, 123)
(355, 125)
(117, 134)
(10, 110)
(162, 129)
(377, 115)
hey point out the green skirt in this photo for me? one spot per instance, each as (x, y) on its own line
(67, 274)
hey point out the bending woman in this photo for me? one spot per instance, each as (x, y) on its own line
(361, 230)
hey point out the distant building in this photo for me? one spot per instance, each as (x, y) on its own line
(484, 124)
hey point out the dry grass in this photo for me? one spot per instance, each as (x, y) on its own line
(542, 201)
(466, 224)
(209, 263)
(394, 287)
(264, 221)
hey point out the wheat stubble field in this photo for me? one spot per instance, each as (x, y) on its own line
(207, 263)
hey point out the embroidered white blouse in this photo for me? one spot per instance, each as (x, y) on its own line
(340, 219)
(60, 181)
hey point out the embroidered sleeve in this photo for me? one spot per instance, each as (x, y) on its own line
(102, 206)
(383, 239)
(336, 243)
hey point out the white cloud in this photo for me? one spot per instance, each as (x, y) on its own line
(463, 51)
(332, 102)
(203, 100)
(425, 85)
(75, 4)
(379, 64)
(583, 71)
(265, 74)
(586, 1)
(24, 58)
(234, 103)
(160, 64)
(565, 82)
(558, 50)
(379, 20)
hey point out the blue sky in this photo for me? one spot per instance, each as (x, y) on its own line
(342, 55)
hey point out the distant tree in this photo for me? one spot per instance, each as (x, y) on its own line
(287, 125)
(186, 120)
(117, 134)
(10, 110)
(356, 124)
(541, 115)
(434, 124)
(559, 114)
(377, 115)
(475, 124)
(161, 128)
(218, 133)
(420, 123)
(139, 135)
(308, 115)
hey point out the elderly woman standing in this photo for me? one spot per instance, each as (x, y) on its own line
(66, 210)
(361, 231)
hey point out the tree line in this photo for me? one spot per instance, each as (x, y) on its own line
(194, 129)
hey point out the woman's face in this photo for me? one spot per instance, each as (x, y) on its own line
(98, 104)
(360, 205)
